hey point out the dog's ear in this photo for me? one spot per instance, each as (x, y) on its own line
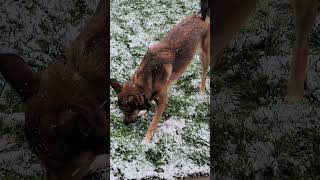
(88, 53)
(116, 85)
(92, 40)
(19, 75)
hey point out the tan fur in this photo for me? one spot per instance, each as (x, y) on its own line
(230, 15)
(162, 66)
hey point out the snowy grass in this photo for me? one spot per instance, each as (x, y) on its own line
(180, 147)
(254, 133)
(39, 31)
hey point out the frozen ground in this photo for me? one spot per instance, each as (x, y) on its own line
(255, 134)
(38, 31)
(180, 147)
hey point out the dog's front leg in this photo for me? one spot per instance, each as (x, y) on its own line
(163, 99)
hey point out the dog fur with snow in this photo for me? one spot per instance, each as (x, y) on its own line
(65, 124)
(161, 66)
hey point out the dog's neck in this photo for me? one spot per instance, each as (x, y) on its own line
(143, 84)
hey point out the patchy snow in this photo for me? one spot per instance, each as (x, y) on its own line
(168, 146)
(172, 128)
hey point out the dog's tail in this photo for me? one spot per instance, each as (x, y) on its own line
(205, 9)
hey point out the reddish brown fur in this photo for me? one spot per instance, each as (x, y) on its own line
(65, 125)
(161, 66)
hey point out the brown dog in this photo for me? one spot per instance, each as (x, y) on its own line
(161, 66)
(229, 15)
(66, 126)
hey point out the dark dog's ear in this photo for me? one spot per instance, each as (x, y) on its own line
(88, 53)
(91, 43)
(116, 85)
(19, 75)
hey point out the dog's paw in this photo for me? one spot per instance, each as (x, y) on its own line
(295, 89)
(146, 141)
(294, 94)
(291, 99)
(202, 90)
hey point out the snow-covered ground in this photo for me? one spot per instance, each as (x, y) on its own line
(255, 133)
(180, 147)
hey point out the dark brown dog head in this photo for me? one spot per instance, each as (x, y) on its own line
(130, 99)
(66, 124)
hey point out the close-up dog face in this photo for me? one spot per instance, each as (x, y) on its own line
(65, 101)
(66, 123)
(130, 100)
(64, 117)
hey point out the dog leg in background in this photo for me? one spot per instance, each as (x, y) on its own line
(163, 99)
(305, 14)
(205, 59)
(228, 16)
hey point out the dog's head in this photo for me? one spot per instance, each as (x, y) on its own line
(62, 111)
(130, 100)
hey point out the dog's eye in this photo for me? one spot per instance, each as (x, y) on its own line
(124, 107)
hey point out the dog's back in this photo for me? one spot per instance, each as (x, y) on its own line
(184, 39)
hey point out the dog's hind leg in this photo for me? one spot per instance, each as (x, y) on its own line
(305, 14)
(205, 59)
(227, 19)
